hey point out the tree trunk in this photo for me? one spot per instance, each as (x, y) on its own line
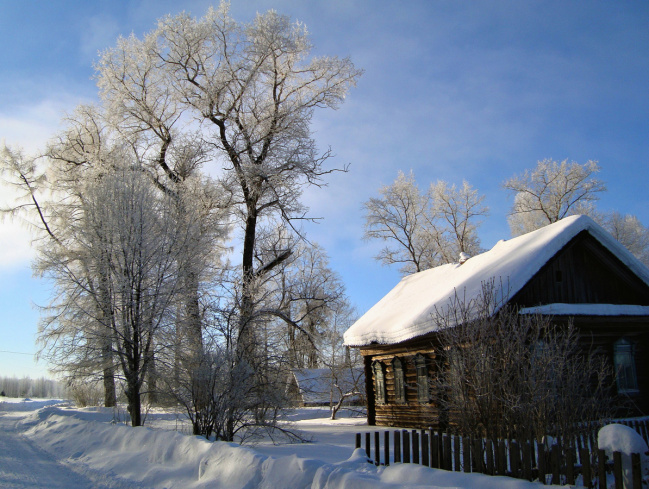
(110, 399)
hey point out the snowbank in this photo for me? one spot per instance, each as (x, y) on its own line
(167, 459)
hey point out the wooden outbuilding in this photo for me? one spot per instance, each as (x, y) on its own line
(572, 270)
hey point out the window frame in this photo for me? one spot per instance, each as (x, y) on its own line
(624, 362)
(399, 380)
(378, 371)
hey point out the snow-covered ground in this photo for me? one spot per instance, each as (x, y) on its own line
(48, 444)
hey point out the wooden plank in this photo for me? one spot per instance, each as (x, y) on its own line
(377, 448)
(466, 453)
(555, 464)
(434, 450)
(448, 454)
(415, 447)
(456, 454)
(491, 465)
(367, 444)
(501, 459)
(601, 469)
(587, 475)
(515, 459)
(478, 454)
(526, 461)
(386, 447)
(617, 470)
(570, 465)
(397, 446)
(542, 463)
(636, 471)
(425, 456)
(406, 447)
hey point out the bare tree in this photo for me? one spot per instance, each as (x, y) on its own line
(424, 230)
(507, 374)
(551, 192)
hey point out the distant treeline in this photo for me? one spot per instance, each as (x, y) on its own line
(27, 387)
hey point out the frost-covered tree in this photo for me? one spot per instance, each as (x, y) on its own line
(550, 192)
(629, 231)
(253, 89)
(424, 230)
(114, 270)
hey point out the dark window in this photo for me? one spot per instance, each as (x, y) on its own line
(379, 382)
(399, 381)
(624, 362)
(423, 388)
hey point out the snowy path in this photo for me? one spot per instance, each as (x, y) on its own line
(23, 465)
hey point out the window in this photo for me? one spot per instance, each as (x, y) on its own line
(423, 389)
(624, 362)
(399, 381)
(379, 382)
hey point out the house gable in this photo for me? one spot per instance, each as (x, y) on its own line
(583, 272)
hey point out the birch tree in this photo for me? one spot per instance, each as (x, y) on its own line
(424, 230)
(552, 191)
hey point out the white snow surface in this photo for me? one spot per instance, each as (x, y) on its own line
(54, 446)
(409, 309)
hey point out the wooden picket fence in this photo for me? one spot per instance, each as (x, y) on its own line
(562, 463)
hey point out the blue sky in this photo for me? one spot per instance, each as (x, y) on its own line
(452, 90)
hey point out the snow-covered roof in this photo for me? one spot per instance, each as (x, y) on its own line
(315, 384)
(409, 310)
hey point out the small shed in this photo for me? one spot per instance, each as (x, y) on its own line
(322, 386)
(572, 269)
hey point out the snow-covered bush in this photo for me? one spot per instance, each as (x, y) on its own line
(620, 438)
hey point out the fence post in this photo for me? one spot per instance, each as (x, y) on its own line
(386, 447)
(556, 464)
(601, 468)
(425, 456)
(406, 447)
(448, 454)
(456, 453)
(617, 470)
(514, 459)
(490, 468)
(636, 470)
(397, 446)
(434, 450)
(377, 448)
(502, 458)
(527, 461)
(478, 457)
(540, 450)
(358, 440)
(415, 447)
(587, 476)
(466, 453)
(570, 465)
(367, 444)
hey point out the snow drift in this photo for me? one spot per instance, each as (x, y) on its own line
(167, 459)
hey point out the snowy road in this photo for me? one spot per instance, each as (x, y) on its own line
(23, 465)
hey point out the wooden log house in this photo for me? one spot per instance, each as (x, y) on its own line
(572, 270)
